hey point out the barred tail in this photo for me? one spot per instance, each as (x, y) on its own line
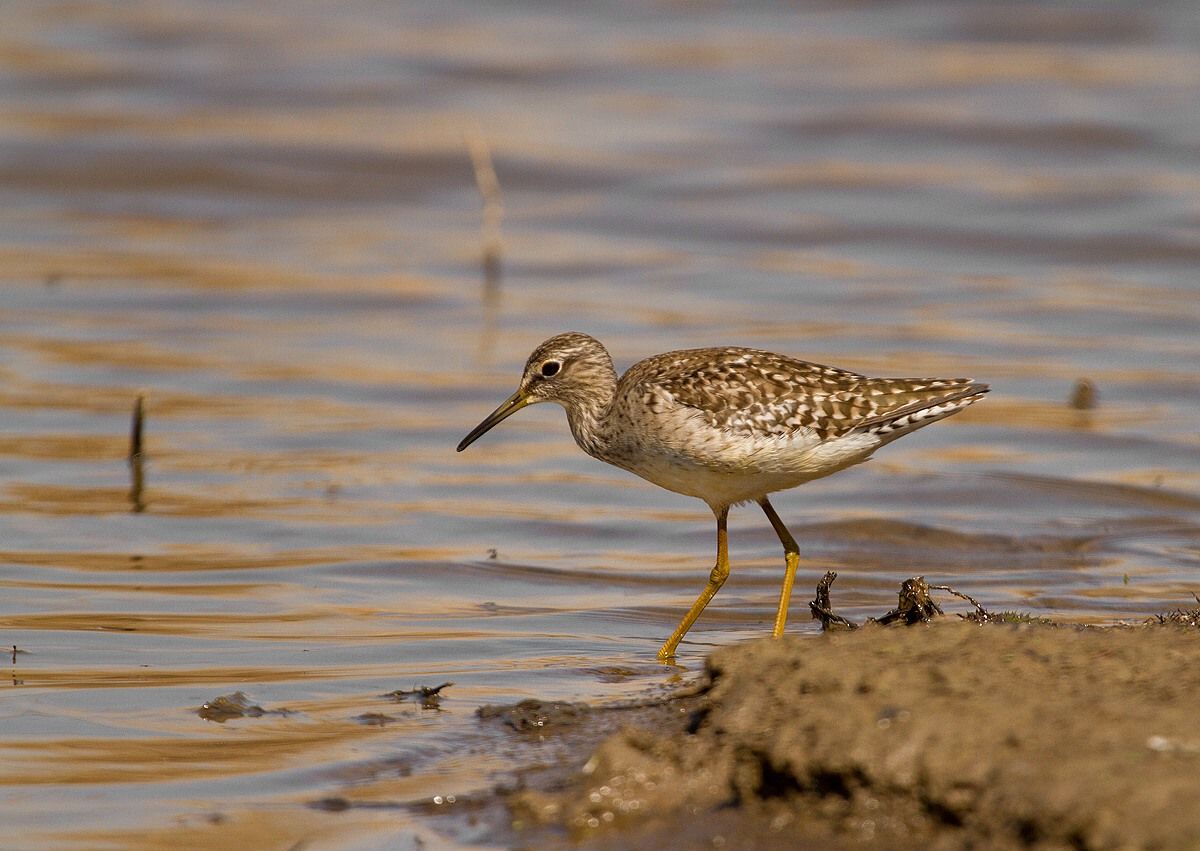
(893, 424)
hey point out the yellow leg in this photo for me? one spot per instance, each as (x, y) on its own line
(716, 579)
(791, 556)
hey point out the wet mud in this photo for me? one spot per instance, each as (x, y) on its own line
(950, 735)
(226, 707)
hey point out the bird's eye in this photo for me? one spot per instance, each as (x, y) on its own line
(550, 368)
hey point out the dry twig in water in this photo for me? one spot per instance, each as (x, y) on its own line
(915, 605)
(429, 696)
(493, 204)
(136, 473)
(821, 608)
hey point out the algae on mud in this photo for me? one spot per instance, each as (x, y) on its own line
(947, 736)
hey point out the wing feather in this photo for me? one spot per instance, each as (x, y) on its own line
(753, 392)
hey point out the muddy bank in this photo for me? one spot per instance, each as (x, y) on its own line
(947, 736)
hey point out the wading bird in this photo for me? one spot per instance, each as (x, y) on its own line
(726, 425)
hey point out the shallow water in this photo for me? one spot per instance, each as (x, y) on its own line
(265, 221)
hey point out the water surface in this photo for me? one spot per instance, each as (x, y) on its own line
(264, 220)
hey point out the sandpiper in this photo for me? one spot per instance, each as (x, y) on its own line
(726, 425)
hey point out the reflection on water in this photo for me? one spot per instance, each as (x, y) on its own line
(265, 221)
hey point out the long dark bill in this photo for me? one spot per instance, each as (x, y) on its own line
(511, 405)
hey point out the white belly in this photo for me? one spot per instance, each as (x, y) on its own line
(725, 468)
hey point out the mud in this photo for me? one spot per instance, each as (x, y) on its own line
(952, 735)
(430, 697)
(536, 716)
(229, 706)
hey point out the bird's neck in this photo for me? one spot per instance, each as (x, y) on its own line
(587, 413)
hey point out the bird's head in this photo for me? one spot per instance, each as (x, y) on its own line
(565, 369)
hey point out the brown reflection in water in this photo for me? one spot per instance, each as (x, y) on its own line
(130, 354)
(338, 624)
(45, 396)
(176, 402)
(992, 179)
(1107, 493)
(1141, 588)
(109, 267)
(142, 587)
(189, 558)
(214, 501)
(266, 744)
(956, 63)
(268, 624)
(1051, 414)
(138, 678)
(62, 447)
(281, 412)
(293, 827)
(67, 500)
